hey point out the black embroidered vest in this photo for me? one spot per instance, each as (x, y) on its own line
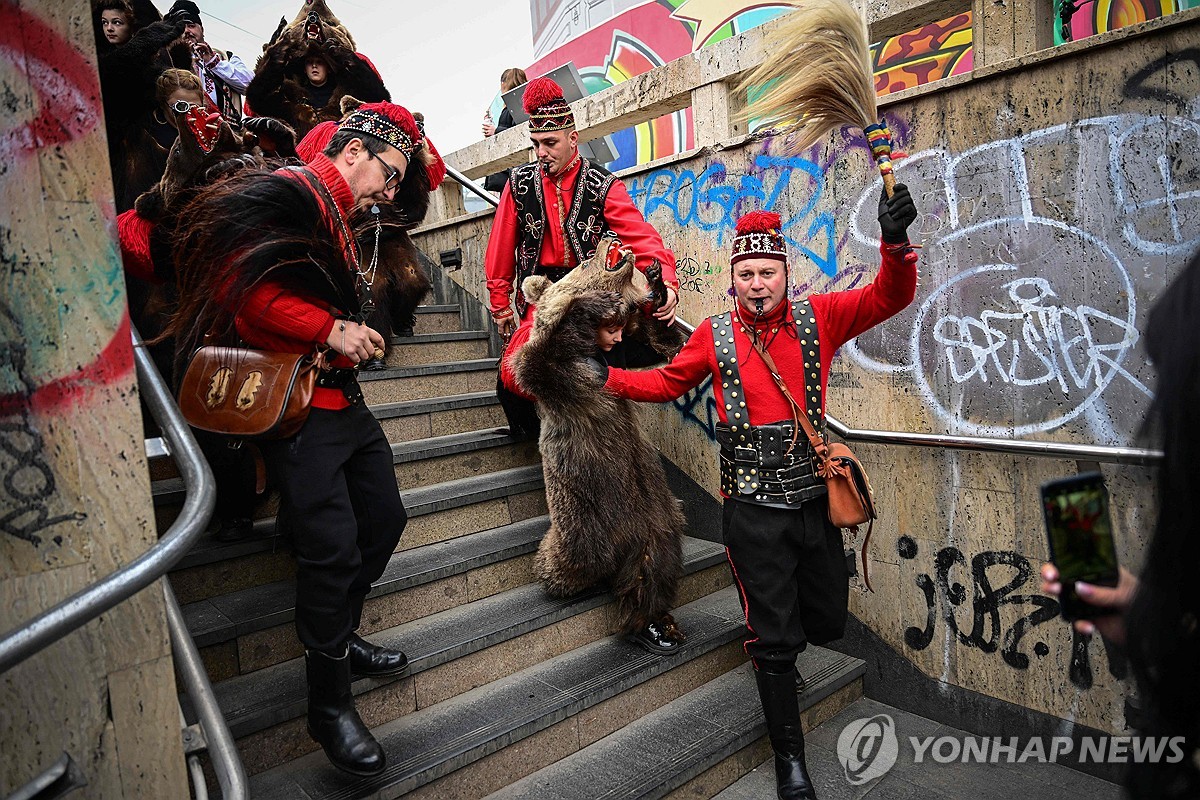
(754, 465)
(583, 224)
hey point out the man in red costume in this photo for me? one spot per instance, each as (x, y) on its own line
(787, 559)
(551, 217)
(271, 259)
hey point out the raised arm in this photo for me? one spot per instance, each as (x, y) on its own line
(845, 315)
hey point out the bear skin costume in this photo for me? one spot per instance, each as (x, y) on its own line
(613, 520)
(279, 88)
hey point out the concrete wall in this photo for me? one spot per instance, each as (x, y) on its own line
(1058, 195)
(74, 489)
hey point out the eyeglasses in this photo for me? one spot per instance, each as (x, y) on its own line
(391, 174)
(183, 106)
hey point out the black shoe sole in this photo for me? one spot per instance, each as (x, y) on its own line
(385, 674)
(658, 651)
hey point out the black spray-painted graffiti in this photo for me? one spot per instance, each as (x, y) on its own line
(987, 631)
(694, 275)
(28, 482)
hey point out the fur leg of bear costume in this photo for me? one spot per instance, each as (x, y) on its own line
(614, 521)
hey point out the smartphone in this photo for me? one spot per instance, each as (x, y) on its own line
(1079, 530)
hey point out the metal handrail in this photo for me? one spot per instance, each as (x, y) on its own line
(86, 605)
(231, 775)
(983, 444)
(472, 186)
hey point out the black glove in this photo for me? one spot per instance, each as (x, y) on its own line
(896, 214)
(598, 368)
(272, 135)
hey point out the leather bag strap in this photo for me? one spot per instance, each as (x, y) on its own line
(799, 415)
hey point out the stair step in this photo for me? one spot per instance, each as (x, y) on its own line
(927, 779)
(678, 743)
(460, 455)
(507, 496)
(439, 416)
(582, 693)
(248, 629)
(438, 319)
(419, 381)
(401, 422)
(417, 463)
(434, 348)
(459, 627)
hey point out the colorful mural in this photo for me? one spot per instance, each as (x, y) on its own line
(648, 36)
(932, 52)
(1079, 19)
(653, 33)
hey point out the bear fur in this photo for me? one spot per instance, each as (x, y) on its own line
(279, 88)
(613, 520)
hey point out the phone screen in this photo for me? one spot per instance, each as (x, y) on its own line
(1081, 538)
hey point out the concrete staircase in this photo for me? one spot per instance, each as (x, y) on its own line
(510, 692)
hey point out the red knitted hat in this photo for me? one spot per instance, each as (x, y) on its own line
(547, 109)
(758, 236)
(388, 122)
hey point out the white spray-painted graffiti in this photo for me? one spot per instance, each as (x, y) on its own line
(1040, 251)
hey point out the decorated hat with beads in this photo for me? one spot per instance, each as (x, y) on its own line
(548, 110)
(758, 236)
(387, 122)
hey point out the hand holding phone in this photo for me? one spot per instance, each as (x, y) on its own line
(1079, 531)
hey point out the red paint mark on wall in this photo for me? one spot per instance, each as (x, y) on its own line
(64, 83)
(112, 364)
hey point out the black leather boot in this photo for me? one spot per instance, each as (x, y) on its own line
(333, 720)
(373, 660)
(777, 691)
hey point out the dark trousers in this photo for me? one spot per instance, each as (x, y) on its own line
(345, 516)
(790, 570)
(234, 472)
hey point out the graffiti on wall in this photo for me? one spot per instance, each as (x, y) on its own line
(711, 202)
(53, 93)
(929, 53)
(1040, 254)
(989, 605)
(652, 34)
(1079, 19)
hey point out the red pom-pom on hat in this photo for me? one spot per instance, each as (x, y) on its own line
(759, 222)
(435, 167)
(541, 92)
(316, 140)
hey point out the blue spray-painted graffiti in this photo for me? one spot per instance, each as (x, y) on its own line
(708, 203)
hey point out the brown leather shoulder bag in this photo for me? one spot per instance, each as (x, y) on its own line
(255, 394)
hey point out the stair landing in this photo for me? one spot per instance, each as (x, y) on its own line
(928, 780)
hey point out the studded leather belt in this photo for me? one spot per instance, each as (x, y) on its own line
(345, 380)
(763, 470)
